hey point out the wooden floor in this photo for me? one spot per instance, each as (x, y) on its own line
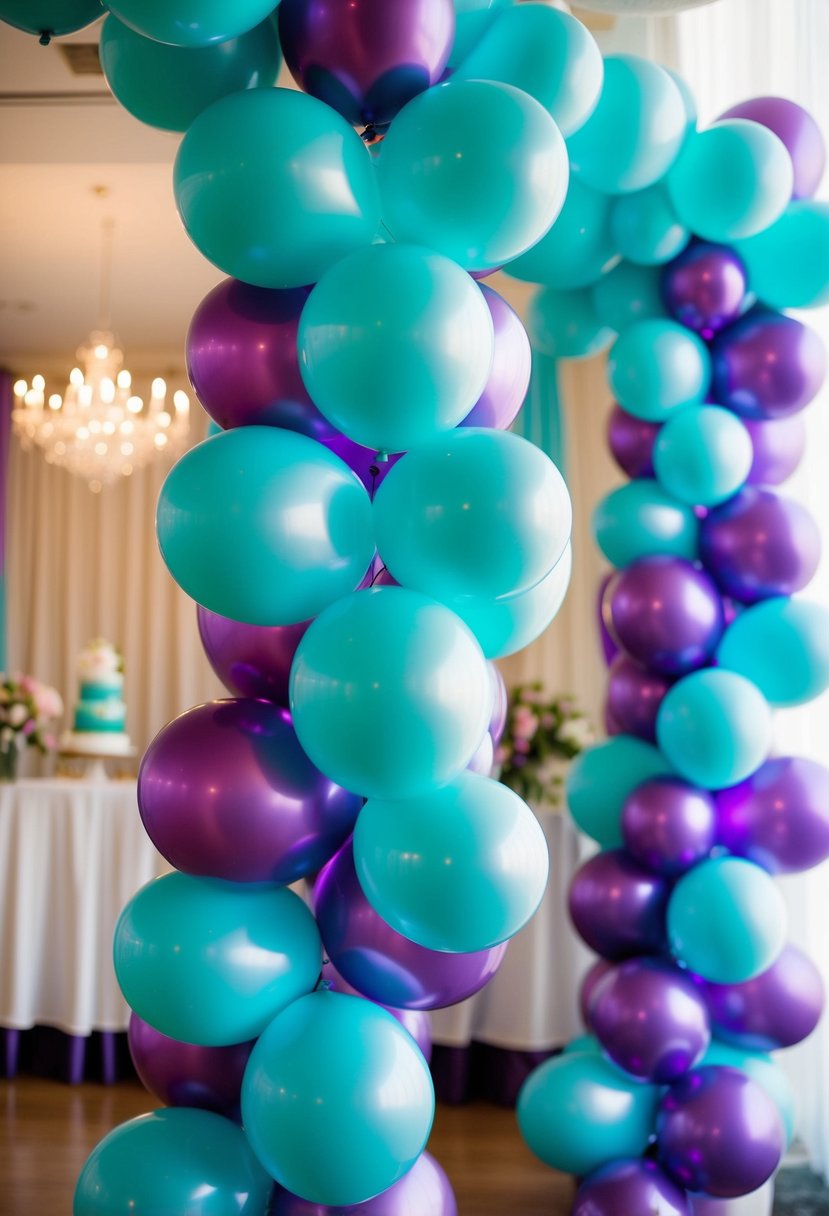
(48, 1129)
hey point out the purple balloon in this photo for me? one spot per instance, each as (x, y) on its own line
(498, 405)
(368, 466)
(704, 288)
(618, 907)
(380, 963)
(226, 791)
(779, 817)
(589, 984)
(760, 544)
(609, 647)
(629, 1188)
(669, 825)
(633, 697)
(779, 444)
(799, 132)
(366, 58)
(484, 757)
(665, 613)
(778, 1008)
(651, 1020)
(767, 365)
(182, 1074)
(500, 705)
(416, 1021)
(719, 1132)
(250, 660)
(423, 1191)
(631, 442)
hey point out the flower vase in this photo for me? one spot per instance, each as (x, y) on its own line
(9, 755)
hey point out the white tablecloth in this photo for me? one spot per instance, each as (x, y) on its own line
(71, 854)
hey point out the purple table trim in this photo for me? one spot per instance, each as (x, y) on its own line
(45, 1052)
(482, 1072)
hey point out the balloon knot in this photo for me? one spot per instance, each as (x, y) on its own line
(45, 37)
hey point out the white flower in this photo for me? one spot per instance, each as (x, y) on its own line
(577, 732)
(17, 715)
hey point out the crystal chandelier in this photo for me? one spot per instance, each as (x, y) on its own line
(99, 428)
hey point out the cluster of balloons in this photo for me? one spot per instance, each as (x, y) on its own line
(682, 247)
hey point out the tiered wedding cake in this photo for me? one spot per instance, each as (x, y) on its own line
(100, 713)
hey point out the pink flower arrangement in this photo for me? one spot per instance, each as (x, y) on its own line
(540, 730)
(27, 707)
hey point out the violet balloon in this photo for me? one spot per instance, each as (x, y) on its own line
(424, 1191)
(778, 1008)
(767, 365)
(704, 288)
(779, 444)
(800, 133)
(618, 907)
(380, 963)
(609, 647)
(226, 791)
(250, 660)
(416, 1021)
(626, 1187)
(589, 985)
(183, 1074)
(634, 696)
(779, 817)
(669, 825)
(631, 442)
(500, 705)
(509, 379)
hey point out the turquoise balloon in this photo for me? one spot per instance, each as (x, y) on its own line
(782, 646)
(640, 519)
(726, 920)
(460, 869)
(174, 1160)
(474, 169)
(762, 1069)
(577, 1112)
(635, 132)
(53, 17)
(395, 345)
(472, 19)
(703, 455)
(600, 780)
(788, 264)
(626, 294)
(646, 228)
(546, 53)
(715, 727)
(732, 180)
(274, 187)
(212, 962)
(474, 512)
(191, 22)
(168, 86)
(337, 1100)
(585, 1044)
(264, 526)
(565, 324)
(390, 693)
(578, 248)
(656, 366)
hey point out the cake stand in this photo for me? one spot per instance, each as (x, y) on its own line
(95, 769)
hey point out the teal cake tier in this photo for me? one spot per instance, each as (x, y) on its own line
(102, 690)
(100, 716)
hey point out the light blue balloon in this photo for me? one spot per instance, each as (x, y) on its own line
(174, 1160)
(732, 180)
(635, 132)
(577, 1112)
(763, 1069)
(646, 228)
(474, 512)
(472, 19)
(264, 526)
(565, 325)
(460, 869)
(640, 519)
(395, 344)
(474, 169)
(788, 264)
(726, 920)
(577, 249)
(337, 1100)
(626, 294)
(715, 727)
(782, 646)
(703, 455)
(546, 53)
(212, 962)
(274, 187)
(656, 367)
(390, 693)
(600, 780)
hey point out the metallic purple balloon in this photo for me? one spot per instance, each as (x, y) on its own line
(634, 696)
(779, 817)
(424, 1191)
(366, 58)
(416, 1021)
(705, 287)
(609, 647)
(665, 613)
(631, 442)
(589, 985)
(226, 791)
(182, 1074)
(651, 1020)
(719, 1132)
(760, 544)
(669, 825)
(618, 907)
(629, 1188)
(250, 660)
(779, 444)
(799, 132)
(767, 365)
(778, 1008)
(500, 705)
(380, 963)
(509, 379)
